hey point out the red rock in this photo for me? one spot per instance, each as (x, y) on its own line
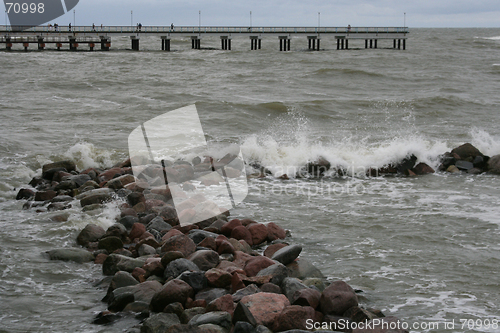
(271, 288)
(137, 230)
(422, 169)
(139, 274)
(265, 307)
(173, 291)
(181, 243)
(199, 303)
(151, 241)
(187, 216)
(337, 298)
(294, 317)
(227, 228)
(99, 259)
(219, 239)
(247, 222)
(275, 232)
(218, 278)
(153, 266)
(241, 259)
(272, 249)
(110, 174)
(259, 232)
(171, 233)
(209, 243)
(146, 235)
(140, 207)
(150, 203)
(127, 211)
(225, 247)
(162, 190)
(45, 195)
(256, 264)
(242, 233)
(306, 297)
(224, 303)
(236, 283)
(186, 228)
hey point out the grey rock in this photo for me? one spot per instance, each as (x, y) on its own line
(91, 233)
(110, 243)
(158, 224)
(278, 272)
(71, 254)
(494, 164)
(128, 221)
(205, 259)
(178, 266)
(196, 280)
(117, 262)
(220, 318)
(290, 286)
(248, 290)
(210, 294)
(159, 323)
(198, 235)
(189, 314)
(303, 269)
(145, 250)
(287, 254)
(464, 165)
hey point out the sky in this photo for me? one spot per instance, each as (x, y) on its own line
(379, 13)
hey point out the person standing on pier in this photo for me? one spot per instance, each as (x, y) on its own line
(172, 27)
(69, 27)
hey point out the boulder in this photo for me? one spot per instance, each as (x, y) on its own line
(466, 150)
(45, 195)
(306, 297)
(110, 243)
(190, 313)
(227, 228)
(71, 254)
(256, 264)
(25, 193)
(196, 280)
(173, 291)
(224, 303)
(319, 167)
(242, 233)
(128, 221)
(137, 230)
(294, 317)
(274, 232)
(337, 298)
(97, 196)
(171, 256)
(159, 323)
(218, 278)
(249, 290)
(91, 233)
(178, 266)
(205, 259)
(198, 235)
(287, 254)
(291, 285)
(265, 307)
(273, 248)
(464, 165)
(422, 169)
(158, 224)
(181, 243)
(302, 269)
(258, 232)
(219, 318)
(117, 262)
(494, 164)
(278, 273)
(210, 294)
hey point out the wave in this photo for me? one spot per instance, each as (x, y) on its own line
(346, 71)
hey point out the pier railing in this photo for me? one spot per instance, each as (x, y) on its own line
(201, 30)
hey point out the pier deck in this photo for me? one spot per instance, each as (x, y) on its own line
(76, 35)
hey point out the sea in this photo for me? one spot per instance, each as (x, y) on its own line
(424, 249)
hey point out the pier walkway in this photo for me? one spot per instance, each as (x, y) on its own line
(92, 36)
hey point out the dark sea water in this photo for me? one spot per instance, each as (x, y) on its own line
(424, 249)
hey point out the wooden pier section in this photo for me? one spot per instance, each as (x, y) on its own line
(73, 37)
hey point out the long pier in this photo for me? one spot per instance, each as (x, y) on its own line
(75, 36)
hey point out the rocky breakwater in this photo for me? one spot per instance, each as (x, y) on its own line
(216, 275)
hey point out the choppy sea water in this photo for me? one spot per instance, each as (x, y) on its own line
(423, 249)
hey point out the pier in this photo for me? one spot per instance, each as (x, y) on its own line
(78, 36)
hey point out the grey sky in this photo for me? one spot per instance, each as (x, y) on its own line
(419, 13)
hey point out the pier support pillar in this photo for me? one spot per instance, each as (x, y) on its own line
(165, 43)
(394, 43)
(284, 43)
(73, 45)
(195, 42)
(399, 44)
(41, 44)
(347, 44)
(105, 43)
(375, 43)
(366, 43)
(135, 43)
(255, 43)
(313, 43)
(371, 43)
(404, 44)
(225, 42)
(8, 44)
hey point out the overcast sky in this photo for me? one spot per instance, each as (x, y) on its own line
(419, 13)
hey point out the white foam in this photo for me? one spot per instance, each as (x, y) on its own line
(485, 142)
(85, 155)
